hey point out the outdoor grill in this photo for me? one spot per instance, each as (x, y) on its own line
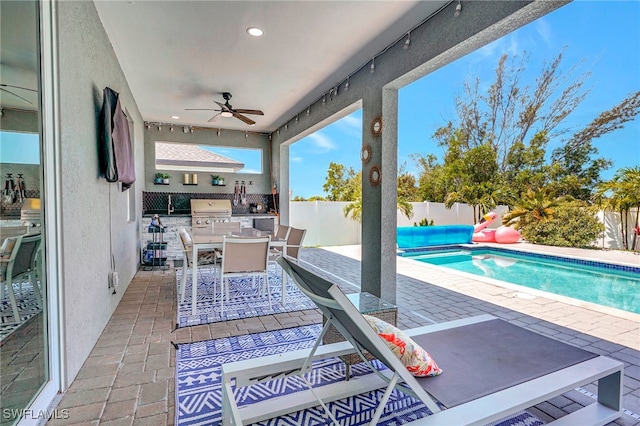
(30, 213)
(206, 212)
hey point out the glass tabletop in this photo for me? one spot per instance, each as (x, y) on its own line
(367, 303)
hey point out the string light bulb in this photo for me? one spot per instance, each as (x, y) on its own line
(171, 129)
(159, 127)
(346, 85)
(191, 130)
(218, 132)
(324, 99)
(308, 110)
(372, 69)
(407, 42)
(458, 9)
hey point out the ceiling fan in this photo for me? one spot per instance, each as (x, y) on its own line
(4, 88)
(226, 110)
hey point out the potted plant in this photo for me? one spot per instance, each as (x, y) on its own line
(162, 178)
(220, 180)
(215, 179)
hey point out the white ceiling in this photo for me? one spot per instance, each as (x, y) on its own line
(18, 43)
(183, 54)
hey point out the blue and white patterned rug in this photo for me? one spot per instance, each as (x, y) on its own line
(27, 308)
(198, 381)
(245, 301)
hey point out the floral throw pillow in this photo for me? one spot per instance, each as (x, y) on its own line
(418, 361)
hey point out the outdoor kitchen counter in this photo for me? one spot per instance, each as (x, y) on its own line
(174, 222)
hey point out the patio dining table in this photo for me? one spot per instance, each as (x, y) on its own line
(211, 241)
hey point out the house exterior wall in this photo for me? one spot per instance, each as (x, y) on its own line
(94, 220)
(261, 183)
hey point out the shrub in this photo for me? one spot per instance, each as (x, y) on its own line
(424, 222)
(574, 224)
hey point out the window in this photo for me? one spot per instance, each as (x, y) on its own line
(207, 158)
(19, 148)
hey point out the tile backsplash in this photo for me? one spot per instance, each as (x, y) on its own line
(156, 202)
(11, 208)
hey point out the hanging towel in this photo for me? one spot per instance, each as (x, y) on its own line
(116, 155)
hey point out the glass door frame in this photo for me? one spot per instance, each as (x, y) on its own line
(50, 393)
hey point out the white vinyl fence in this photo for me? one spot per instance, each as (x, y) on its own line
(326, 225)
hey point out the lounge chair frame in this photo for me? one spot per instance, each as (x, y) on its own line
(344, 316)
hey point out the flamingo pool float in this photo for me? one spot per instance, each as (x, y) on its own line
(502, 235)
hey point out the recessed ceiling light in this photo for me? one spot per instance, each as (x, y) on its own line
(255, 31)
(175, 117)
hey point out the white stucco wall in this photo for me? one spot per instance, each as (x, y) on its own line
(94, 212)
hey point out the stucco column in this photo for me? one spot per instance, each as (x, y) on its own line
(378, 269)
(282, 182)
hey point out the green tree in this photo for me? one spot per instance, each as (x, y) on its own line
(533, 207)
(431, 184)
(622, 194)
(574, 224)
(341, 183)
(513, 121)
(353, 210)
(407, 188)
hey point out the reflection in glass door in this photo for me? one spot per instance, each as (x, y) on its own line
(24, 349)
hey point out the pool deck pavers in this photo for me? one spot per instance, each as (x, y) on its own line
(128, 378)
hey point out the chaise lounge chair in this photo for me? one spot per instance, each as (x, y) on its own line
(492, 369)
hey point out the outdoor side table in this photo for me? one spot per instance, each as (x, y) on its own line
(367, 304)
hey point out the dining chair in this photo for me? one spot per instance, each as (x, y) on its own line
(19, 261)
(242, 256)
(283, 232)
(226, 228)
(294, 243)
(291, 251)
(205, 258)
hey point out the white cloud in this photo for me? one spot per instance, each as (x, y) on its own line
(509, 45)
(321, 142)
(544, 30)
(296, 159)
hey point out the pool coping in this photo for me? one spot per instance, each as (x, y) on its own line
(618, 266)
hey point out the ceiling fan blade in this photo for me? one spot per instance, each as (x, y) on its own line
(249, 111)
(212, 119)
(16, 95)
(17, 87)
(241, 117)
(223, 106)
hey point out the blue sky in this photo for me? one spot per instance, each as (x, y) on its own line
(604, 34)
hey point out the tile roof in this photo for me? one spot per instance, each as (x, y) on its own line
(192, 155)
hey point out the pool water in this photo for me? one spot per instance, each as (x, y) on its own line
(604, 284)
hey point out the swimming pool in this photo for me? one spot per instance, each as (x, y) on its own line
(616, 286)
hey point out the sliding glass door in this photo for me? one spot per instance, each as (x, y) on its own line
(25, 339)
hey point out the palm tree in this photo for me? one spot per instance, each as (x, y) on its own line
(353, 210)
(533, 206)
(622, 193)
